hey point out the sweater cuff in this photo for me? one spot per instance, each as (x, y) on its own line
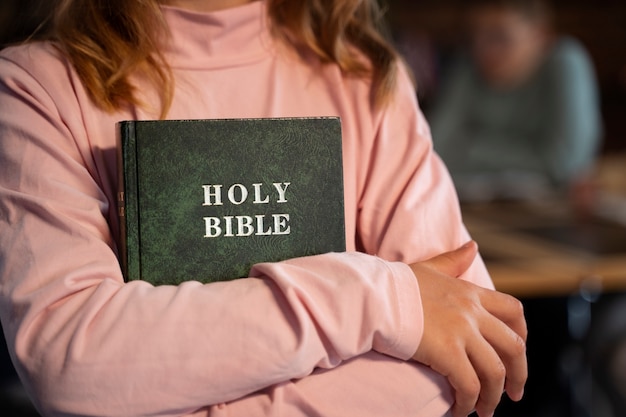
(410, 313)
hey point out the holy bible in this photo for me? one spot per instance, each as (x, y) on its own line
(205, 200)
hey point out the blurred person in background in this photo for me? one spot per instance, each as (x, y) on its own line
(519, 117)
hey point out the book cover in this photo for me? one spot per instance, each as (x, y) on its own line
(205, 200)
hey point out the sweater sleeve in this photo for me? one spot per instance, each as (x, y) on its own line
(86, 343)
(409, 210)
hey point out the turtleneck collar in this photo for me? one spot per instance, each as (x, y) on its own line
(229, 37)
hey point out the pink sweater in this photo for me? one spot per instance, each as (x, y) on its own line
(319, 336)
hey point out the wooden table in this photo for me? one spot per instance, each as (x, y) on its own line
(543, 249)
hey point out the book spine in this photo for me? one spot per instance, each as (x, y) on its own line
(127, 201)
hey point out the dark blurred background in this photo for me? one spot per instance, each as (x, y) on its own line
(568, 269)
(20, 18)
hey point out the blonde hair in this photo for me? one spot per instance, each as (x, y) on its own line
(109, 41)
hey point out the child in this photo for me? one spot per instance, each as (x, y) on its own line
(384, 329)
(521, 118)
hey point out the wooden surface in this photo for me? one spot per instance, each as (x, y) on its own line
(543, 249)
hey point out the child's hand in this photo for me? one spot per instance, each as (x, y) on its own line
(473, 336)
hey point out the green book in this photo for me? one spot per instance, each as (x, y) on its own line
(205, 200)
